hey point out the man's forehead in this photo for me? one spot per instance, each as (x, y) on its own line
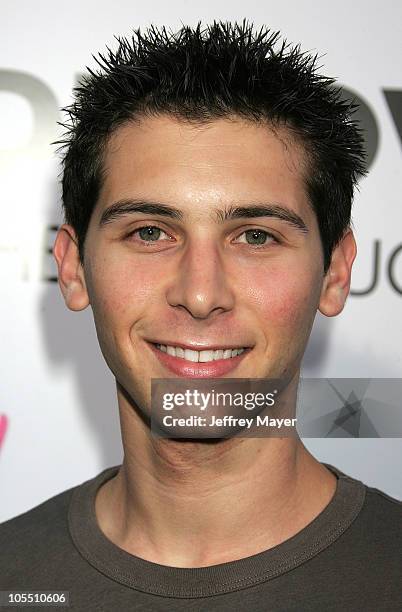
(224, 139)
(223, 164)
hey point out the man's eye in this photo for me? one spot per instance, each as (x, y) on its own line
(149, 233)
(256, 237)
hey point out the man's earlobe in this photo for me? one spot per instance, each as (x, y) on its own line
(336, 284)
(71, 273)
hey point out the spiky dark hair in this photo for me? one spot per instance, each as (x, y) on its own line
(200, 74)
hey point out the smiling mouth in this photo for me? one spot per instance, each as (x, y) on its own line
(203, 356)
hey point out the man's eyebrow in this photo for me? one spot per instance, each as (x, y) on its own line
(127, 207)
(275, 211)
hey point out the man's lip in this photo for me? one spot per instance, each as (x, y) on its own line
(200, 347)
(193, 369)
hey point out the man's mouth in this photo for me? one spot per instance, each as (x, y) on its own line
(213, 361)
(200, 356)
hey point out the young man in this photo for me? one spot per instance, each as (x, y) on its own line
(207, 188)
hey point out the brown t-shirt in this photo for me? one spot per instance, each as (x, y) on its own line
(349, 558)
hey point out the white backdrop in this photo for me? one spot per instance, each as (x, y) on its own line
(58, 412)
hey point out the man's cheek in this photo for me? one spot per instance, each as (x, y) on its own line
(125, 291)
(283, 299)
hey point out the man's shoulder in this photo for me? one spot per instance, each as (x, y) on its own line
(383, 511)
(376, 531)
(384, 498)
(36, 543)
(378, 505)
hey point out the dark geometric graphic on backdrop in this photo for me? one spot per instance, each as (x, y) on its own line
(349, 416)
(349, 408)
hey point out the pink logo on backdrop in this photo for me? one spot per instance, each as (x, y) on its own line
(3, 428)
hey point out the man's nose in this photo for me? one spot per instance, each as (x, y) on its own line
(201, 284)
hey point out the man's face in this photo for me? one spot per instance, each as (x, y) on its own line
(198, 280)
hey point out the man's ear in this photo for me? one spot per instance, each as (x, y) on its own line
(336, 283)
(71, 273)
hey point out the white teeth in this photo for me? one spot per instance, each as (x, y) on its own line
(206, 356)
(190, 355)
(201, 356)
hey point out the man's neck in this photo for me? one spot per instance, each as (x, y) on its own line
(194, 504)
